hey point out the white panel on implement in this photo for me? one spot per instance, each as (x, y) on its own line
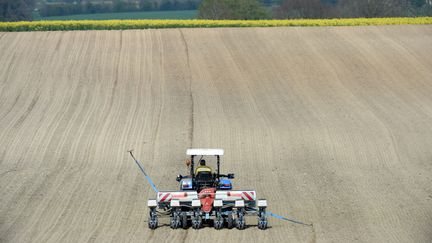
(205, 152)
(239, 203)
(151, 203)
(262, 203)
(218, 203)
(175, 203)
(165, 197)
(236, 195)
(196, 203)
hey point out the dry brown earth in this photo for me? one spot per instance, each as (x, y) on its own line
(332, 125)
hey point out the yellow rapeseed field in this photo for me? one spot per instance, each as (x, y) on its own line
(196, 23)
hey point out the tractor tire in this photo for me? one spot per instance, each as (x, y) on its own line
(153, 220)
(230, 221)
(184, 222)
(241, 224)
(240, 221)
(262, 224)
(196, 222)
(262, 220)
(175, 220)
(152, 224)
(175, 223)
(218, 222)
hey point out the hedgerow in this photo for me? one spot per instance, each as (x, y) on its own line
(64, 25)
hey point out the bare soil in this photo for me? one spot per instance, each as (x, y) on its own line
(332, 125)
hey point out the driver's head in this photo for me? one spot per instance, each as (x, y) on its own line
(202, 162)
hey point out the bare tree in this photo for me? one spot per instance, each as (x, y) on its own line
(305, 9)
(376, 8)
(213, 9)
(16, 10)
(232, 9)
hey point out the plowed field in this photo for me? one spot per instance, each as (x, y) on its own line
(332, 125)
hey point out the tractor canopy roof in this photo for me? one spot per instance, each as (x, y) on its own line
(200, 151)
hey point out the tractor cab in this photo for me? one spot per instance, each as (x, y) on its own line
(202, 175)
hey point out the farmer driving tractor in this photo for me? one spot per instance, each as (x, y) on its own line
(203, 167)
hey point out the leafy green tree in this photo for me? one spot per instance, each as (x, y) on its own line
(232, 9)
(16, 10)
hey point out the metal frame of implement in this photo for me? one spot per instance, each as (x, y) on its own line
(231, 205)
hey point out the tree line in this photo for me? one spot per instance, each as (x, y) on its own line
(293, 9)
(70, 7)
(16, 10)
(352, 8)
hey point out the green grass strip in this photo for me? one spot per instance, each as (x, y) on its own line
(153, 24)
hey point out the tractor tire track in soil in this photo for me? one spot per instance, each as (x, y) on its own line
(333, 125)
